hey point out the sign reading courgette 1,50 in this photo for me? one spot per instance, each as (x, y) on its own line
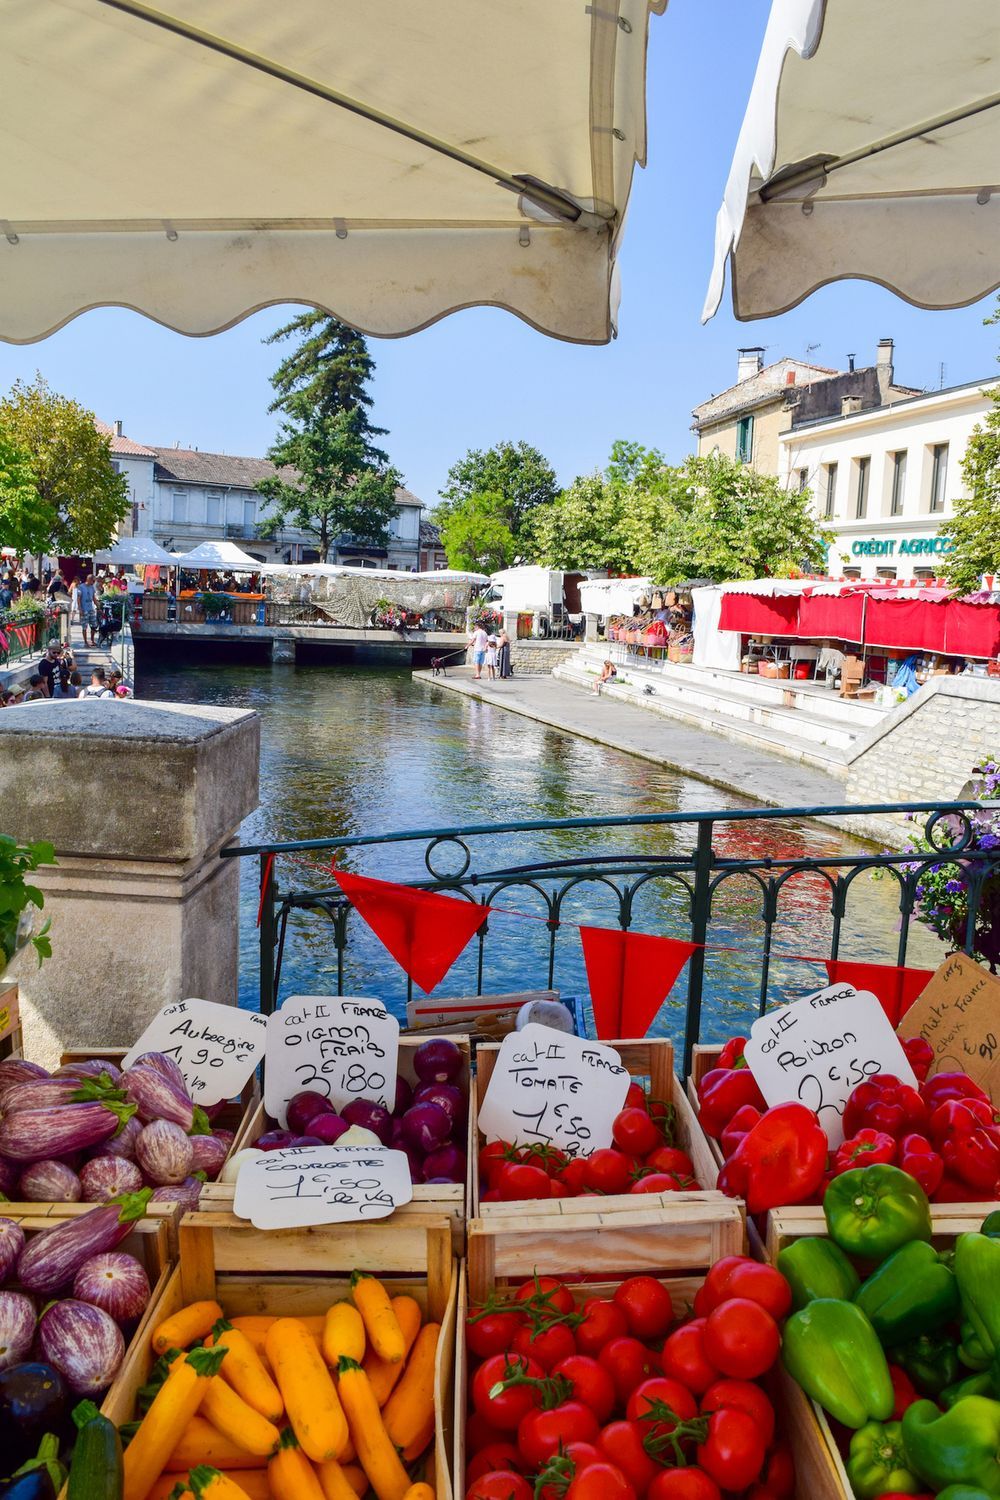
(305, 1185)
(343, 1047)
(816, 1051)
(215, 1046)
(554, 1089)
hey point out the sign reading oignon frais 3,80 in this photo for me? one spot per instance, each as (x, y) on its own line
(554, 1089)
(342, 1046)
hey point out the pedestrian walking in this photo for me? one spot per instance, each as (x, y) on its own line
(86, 603)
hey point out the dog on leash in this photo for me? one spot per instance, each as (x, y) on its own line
(438, 666)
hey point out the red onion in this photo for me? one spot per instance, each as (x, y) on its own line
(306, 1140)
(104, 1177)
(115, 1282)
(122, 1144)
(437, 1061)
(17, 1328)
(302, 1107)
(327, 1128)
(373, 1117)
(187, 1193)
(404, 1095)
(83, 1343)
(426, 1126)
(50, 1182)
(414, 1159)
(163, 1152)
(11, 1245)
(274, 1140)
(207, 1155)
(448, 1095)
(445, 1165)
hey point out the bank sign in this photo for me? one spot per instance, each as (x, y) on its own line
(911, 546)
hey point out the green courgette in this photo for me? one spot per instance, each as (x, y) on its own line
(96, 1470)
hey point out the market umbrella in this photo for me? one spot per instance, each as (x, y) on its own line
(388, 162)
(217, 556)
(870, 148)
(136, 551)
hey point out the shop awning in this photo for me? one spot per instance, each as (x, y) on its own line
(216, 557)
(824, 616)
(972, 629)
(760, 614)
(388, 162)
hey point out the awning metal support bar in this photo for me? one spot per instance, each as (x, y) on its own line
(554, 202)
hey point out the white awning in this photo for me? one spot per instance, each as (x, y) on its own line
(870, 148)
(224, 556)
(136, 551)
(389, 162)
(612, 596)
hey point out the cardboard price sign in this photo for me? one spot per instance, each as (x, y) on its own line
(561, 1090)
(344, 1047)
(305, 1185)
(958, 1013)
(817, 1050)
(216, 1047)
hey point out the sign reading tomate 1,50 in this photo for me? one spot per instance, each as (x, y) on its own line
(554, 1090)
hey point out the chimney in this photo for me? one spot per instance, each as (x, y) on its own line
(118, 427)
(883, 365)
(849, 405)
(850, 363)
(749, 364)
(789, 377)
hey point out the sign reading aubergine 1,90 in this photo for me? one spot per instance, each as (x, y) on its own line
(215, 1046)
(343, 1047)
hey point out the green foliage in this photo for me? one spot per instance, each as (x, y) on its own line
(327, 373)
(215, 605)
(81, 499)
(16, 895)
(515, 474)
(582, 529)
(476, 538)
(975, 526)
(24, 521)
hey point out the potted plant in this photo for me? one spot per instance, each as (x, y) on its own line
(216, 606)
(19, 901)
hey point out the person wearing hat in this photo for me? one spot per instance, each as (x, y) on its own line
(117, 686)
(48, 667)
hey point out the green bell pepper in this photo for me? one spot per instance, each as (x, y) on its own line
(971, 1351)
(910, 1293)
(991, 1225)
(816, 1267)
(872, 1211)
(980, 1384)
(959, 1446)
(930, 1360)
(977, 1271)
(876, 1462)
(963, 1492)
(833, 1352)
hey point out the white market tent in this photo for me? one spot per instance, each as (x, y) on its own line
(136, 551)
(388, 162)
(612, 596)
(218, 557)
(870, 149)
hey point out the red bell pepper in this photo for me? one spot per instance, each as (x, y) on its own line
(884, 1103)
(918, 1157)
(904, 1391)
(919, 1055)
(968, 1138)
(731, 1055)
(957, 1117)
(781, 1160)
(740, 1125)
(945, 1086)
(864, 1150)
(721, 1093)
(953, 1190)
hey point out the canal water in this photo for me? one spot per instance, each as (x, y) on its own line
(347, 751)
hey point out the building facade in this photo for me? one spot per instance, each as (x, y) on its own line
(885, 481)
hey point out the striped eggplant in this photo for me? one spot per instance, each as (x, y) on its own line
(14, 1070)
(51, 1259)
(10, 1171)
(116, 1282)
(12, 1239)
(158, 1098)
(122, 1143)
(207, 1155)
(50, 1182)
(165, 1066)
(40, 1093)
(91, 1067)
(186, 1193)
(34, 1134)
(163, 1152)
(83, 1343)
(17, 1328)
(104, 1177)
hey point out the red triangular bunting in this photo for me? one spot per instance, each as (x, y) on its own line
(630, 976)
(425, 932)
(896, 989)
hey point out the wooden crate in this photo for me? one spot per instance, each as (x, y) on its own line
(444, 1198)
(650, 1061)
(10, 1022)
(500, 1261)
(299, 1273)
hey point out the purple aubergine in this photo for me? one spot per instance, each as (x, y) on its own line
(10, 1171)
(115, 1282)
(448, 1095)
(51, 1259)
(373, 1117)
(12, 1239)
(34, 1134)
(17, 1328)
(404, 1095)
(208, 1154)
(49, 1182)
(165, 1066)
(163, 1152)
(83, 1343)
(40, 1093)
(123, 1143)
(157, 1098)
(426, 1127)
(328, 1128)
(437, 1061)
(226, 1136)
(91, 1067)
(302, 1107)
(104, 1177)
(14, 1070)
(186, 1193)
(274, 1140)
(446, 1164)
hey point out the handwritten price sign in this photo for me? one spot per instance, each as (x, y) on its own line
(344, 1047)
(216, 1047)
(816, 1051)
(555, 1089)
(322, 1185)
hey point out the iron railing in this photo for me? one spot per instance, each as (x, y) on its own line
(698, 873)
(20, 638)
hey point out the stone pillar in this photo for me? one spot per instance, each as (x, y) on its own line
(138, 799)
(282, 650)
(510, 623)
(592, 624)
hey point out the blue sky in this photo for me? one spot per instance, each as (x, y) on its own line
(481, 376)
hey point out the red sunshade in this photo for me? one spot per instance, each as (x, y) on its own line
(760, 614)
(907, 624)
(972, 629)
(835, 616)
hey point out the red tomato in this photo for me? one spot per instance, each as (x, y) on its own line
(635, 1097)
(517, 1180)
(492, 1158)
(634, 1132)
(546, 1293)
(552, 1482)
(547, 1347)
(779, 1472)
(494, 1456)
(715, 1288)
(607, 1171)
(649, 1402)
(742, 1395)
(657, 1182)
(763, 1284)
(628, 1363)
(480, 1434)
(683, 1484)
(549, 1158)
(600, 1482)
(733, 1452)
(558, 1189)
(573, 1174)
(621, 1444)
(602, 1322)
(671, 1159)
(646, 1305)
(489, 1333)
(540, 1434)
(505, 1409)
(591, 1383)
(741, 1339)
(502, 1484)
(683, 1357)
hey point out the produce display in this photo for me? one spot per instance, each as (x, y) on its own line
(89, 1132)
(945, 1133)
(625, 1396)
(897, 1341)
(642, 1158)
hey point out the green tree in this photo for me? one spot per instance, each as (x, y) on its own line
(475, 536)
(516, 475)
(582, 528)
(81, 498)
(25, 523)
(975, 526)
(332, 477)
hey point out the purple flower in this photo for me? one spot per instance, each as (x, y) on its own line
(989, 841)
(953, 886)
